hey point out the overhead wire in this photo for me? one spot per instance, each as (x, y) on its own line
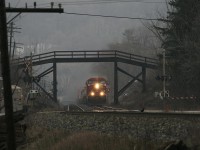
(103, 2)
(99, 2)
(109, 16)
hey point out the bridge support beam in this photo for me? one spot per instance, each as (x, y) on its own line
(44, 90)
(144, 79)
(130, 82)
(115, 83)
(54, 81)
(37, 80)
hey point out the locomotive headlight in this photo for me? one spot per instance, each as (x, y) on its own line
(102, 93)
(97, 86)
(92, 93)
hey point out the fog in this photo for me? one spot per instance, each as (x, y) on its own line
(72, 78)
(52, 32)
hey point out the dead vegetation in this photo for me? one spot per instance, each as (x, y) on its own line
(43, 139)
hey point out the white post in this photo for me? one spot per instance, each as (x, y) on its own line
(31, 71)
(163, 73)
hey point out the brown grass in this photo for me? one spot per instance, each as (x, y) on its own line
(43, 139)
(91, 141)
(51, 139)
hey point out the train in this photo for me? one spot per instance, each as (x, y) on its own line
(95, 91)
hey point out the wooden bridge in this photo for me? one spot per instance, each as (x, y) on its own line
(91, 56)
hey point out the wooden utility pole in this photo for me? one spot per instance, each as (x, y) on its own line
(11, 36)
(11, 145)
(13, 52)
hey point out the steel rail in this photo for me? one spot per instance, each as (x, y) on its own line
(130, 114)
(136, 114)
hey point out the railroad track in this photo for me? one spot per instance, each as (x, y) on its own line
(73, 108)
(108, 110)
(84, 109)
(136, 114)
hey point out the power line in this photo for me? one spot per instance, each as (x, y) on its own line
(104, 16)
(111, 16)
(117, 17)
(106, 2)
(101, 2)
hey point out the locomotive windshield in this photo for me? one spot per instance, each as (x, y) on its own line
(95, 80)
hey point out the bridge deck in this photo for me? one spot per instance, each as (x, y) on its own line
(89, 56)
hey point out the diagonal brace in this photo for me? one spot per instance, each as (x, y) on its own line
(129, 84)
(46, 72)
(128, 74)
(40, 87)
(43, 90)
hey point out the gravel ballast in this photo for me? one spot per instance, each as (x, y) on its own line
(134, 126)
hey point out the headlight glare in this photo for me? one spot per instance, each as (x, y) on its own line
(97, 86)
(102, 93)
(92, 93)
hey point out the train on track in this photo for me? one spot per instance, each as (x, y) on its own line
(95, 91)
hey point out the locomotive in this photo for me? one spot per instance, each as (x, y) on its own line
(95, 91)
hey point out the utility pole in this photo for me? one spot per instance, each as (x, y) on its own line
(13, 52)
(11, 36)
(12, 45)
(14, 48)
(31, 70)
(11, 145)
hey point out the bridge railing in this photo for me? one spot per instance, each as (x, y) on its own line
(87, 54)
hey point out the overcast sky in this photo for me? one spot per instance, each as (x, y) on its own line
(72, 32)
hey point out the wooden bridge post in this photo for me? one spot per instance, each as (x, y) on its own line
(115, 83)
(54, 81)
(144, 78)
